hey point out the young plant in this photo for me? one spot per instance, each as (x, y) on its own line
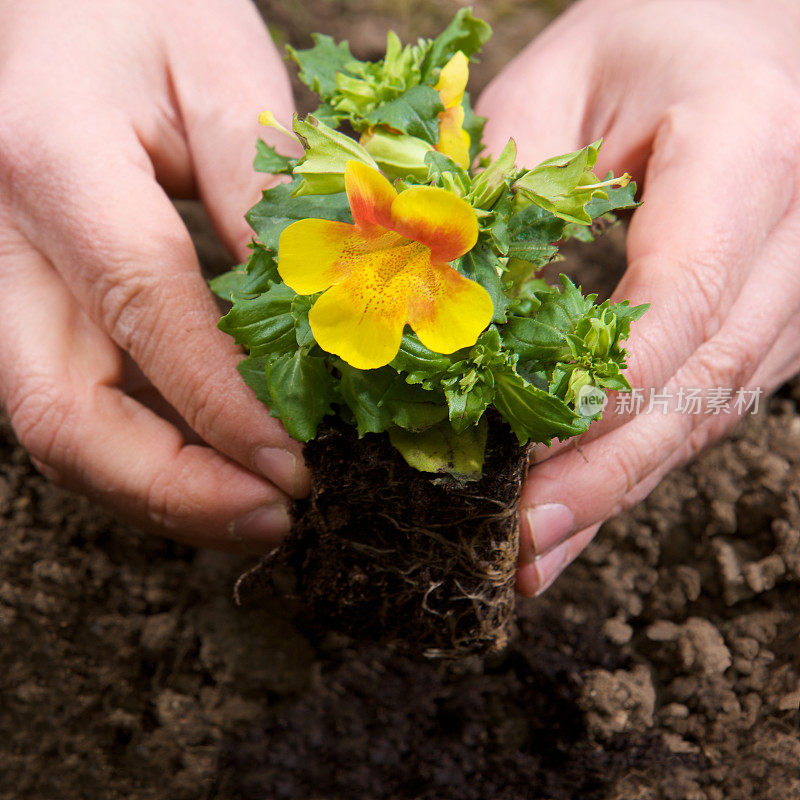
(393, 278)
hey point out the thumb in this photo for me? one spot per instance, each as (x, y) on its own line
(225, 73)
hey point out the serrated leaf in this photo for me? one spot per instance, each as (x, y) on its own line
(269, 160)
(464, 33)
(277, 209)
(264, 324)
(465, 409)
(482, 265)
(532, 413)
(441, 449)
(302, 390)
(618, 198)
(320, 63)
(415, 112)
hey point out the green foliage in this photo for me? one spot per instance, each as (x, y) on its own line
(464, 33)
(279, 208)
(270, 161)
(545, 343)
(301, 389)
(415, 112)
(326, 153)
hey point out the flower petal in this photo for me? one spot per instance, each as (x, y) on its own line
(454, 141)
(453, 80)
(446, 310)
(436, 218)
(310, 254)
(370, 195)
(360, 322)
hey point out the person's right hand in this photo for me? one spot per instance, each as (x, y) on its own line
(107, 109)
(701, 99)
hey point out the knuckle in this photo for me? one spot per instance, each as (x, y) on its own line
(167, 504)
(718, 363)
(202, 403)
(125, 308)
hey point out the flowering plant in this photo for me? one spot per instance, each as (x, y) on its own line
(393, 277)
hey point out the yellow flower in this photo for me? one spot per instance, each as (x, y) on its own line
(389, 268)
(453, 141)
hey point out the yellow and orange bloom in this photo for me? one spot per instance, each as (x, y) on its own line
(453, 141)
(389, 268)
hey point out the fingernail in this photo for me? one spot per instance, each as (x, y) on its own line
(549, 567)
(283, 469)
(262, 529)
(543, 528)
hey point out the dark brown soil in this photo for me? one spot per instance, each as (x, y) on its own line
(664, 664)
(389, 554)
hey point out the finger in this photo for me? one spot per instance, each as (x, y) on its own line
(686, 256)
(607, 469)
(57, 381)
(225, 75)
(536, 577)
(130, 261)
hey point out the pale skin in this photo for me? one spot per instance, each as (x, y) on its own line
(700, 99)
(113, 372)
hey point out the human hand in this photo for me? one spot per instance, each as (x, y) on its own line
(700, 99)
(111, 368)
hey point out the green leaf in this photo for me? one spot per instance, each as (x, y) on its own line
(268, 160)
(301, 305)
(441, 449)
(262, 271)
(253, 370)
(412, 407)
(250, 280)
(264, 324)
(618, 198)
(532, 413)
(473, 125)
(302, 390)
(327, 153)
(328, 115)
(464, 33)
(277, 209)
(555, 184)
(363, 391)
(465, 409)
(535, 340)
(418, 361)
(489, 184)
(482, 265)
(398, 155)
(536, 224)
(227, 285)
(415, 112)
(446, 174)
(320, 63)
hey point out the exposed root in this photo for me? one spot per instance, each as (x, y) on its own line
(382, 551)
